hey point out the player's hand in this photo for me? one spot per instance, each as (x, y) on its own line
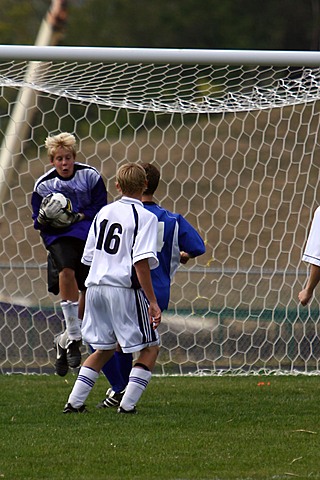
(184, 257)
(42, 218)
(49, 209)
(53, 207)
(155, 315)
(74, 217)
(304, 296)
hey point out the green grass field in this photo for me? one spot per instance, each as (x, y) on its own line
(186, 428)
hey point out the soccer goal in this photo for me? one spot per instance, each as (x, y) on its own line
(236, 137)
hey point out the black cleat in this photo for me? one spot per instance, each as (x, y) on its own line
(132, 411)
(68, 408)
(112, 399)
(73, 353)
(61, 363)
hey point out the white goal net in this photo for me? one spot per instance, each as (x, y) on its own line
(238, 148)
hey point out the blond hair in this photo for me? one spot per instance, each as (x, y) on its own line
(62, 140)
(131, 178)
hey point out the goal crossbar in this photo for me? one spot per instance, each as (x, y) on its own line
(159, 55)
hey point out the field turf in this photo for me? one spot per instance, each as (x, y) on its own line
(186, 428)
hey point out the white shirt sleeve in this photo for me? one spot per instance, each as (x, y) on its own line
(312, 250)
(89, 248)
(146, 242)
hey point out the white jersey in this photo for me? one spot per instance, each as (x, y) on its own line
(121, 234)
(312, 249)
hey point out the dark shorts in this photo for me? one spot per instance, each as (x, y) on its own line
(66, 253)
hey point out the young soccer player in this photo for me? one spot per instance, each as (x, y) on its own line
(85, 188)
(121, 306)
(178, 241)
(311, 255)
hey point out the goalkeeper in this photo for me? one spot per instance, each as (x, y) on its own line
(64, 233)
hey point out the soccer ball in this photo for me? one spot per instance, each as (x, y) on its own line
(58, 210)
(65, 202)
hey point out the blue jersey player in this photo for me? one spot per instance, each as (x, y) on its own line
(177, 242)
(84, 187)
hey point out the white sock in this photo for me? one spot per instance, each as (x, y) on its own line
(63, 339)
(138, 381)
(70, 313)
(86, 379)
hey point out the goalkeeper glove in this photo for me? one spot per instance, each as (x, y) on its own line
(65, 219)
(73, 217)
(52, 208)
(42, 218)
(48, 210)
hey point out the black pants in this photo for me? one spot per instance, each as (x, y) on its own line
(66, 253)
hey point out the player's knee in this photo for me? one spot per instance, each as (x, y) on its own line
(67, 275)
(148, 357)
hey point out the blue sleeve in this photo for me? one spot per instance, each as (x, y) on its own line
(189, 239)
(98, 200)
(36, 200)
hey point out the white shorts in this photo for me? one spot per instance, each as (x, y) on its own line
(116, 314)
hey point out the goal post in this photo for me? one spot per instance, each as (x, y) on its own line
(235, 135)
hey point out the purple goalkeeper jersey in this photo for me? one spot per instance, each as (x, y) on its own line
(87, 192)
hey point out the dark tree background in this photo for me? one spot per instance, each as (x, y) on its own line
(214, 24)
